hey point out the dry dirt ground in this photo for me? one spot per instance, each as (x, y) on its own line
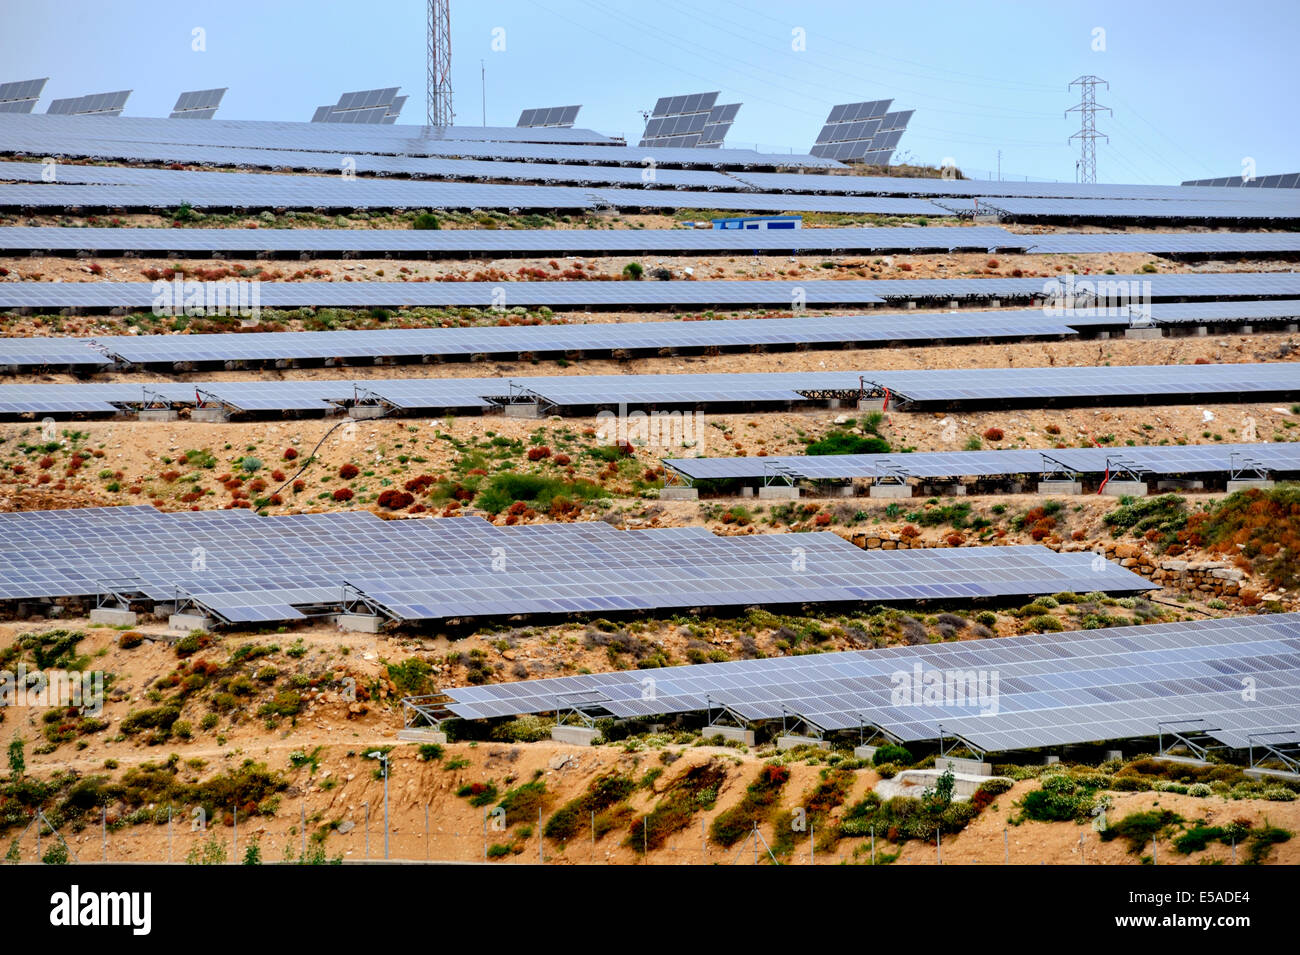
(338, 788)
(130, 464)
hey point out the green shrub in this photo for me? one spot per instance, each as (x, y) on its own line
(430, 752)
(1139, 828)
(425, 220)
(158, 718)
(892, 753)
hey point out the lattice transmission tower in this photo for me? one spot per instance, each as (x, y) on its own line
(438, 89)
(1086, 168)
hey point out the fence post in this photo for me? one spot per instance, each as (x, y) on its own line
(366, 804)
(1006, 847)
(103, 823)
(235, 817)
(426, 832)
(541, 849)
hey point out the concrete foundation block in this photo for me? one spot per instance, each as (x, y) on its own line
(847, 491)
(158, 414)
(746, 491)
(1114, 754)
(427, 734)
(1247, 329)
(971, 767)
(790, 742)
(1126, 488)
(1102, 336)
(365, 412)
(113, 617)
(871, 404)
(1144, 333)
(890, 490)
(1246, 483)
(778, 492)
(185, 622)
(679, 494)
(1201, 331)
(359, 622)
(523, 411)
(574, 735)
(1179, 484)
(1060, 487)
(865, 752)
(730, 733)
(210, 415)
(1293, 328)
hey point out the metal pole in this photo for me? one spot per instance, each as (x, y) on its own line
(873, 845)
(1234, 850)
(426, 832)
(1006, 847)
(303, 817)
(704, 841)
(755, 843)
(812, 845)
(366, 804)
(645, 835)
(938, 845)
(235, 817)
(103, 830)
(593, 835)
(169, 835)
(39, 817)
(1154, 861)
(483, 78)
(385, 807)
(485, 833)
(541, 851)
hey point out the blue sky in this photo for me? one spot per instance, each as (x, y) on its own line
(1195, 86)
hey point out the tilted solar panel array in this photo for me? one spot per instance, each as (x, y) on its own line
(247, 570)
(1080, 291)
(487, 242)
(1153, 459)
(415, 343)
(941, 387)
(1013, 693)
(513, 340)
(545, 144)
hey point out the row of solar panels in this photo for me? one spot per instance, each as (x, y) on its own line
(160, 187)
(1148, 459)
(100, 141)
(415, 344)
(552, 242)
(1110, 290)
(227, 191)
(272, 569)
(96, 136)
(1015, 693)
(934, 387)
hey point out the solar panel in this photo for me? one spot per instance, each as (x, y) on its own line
(1288, 180)
(688, 122)
(198, 104)
(92, 104)
(21, 96)
(1027, 692)
(937, 387)
(55, 240)
(1101, 291)
(866, 132)
(267, 569)
(1162, 460)
(87, 136)
(549, 116)
(416, 344)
